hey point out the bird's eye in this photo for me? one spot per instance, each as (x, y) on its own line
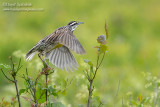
(77, 22)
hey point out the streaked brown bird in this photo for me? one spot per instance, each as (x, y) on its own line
(57, 47)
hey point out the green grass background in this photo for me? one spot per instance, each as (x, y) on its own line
(134, 45)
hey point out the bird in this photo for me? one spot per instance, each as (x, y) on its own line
(58, 47)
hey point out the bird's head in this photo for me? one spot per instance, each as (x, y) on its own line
(73, 24)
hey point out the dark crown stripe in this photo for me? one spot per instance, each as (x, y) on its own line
(72, 23)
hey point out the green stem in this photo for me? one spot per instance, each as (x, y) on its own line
(91, 80)
(98, 65)
(46, 87)
(6, 76)
(15, 82)
(90, 92)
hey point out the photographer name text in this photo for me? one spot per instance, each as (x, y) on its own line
(5, 4)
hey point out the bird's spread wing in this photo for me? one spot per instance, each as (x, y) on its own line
(62, 58)
(67, 38)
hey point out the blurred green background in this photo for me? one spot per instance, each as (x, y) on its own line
(134, 45)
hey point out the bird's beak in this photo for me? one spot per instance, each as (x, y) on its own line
(80, 22)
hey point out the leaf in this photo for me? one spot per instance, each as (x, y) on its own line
(81, 105)
(106, 29)
(52, 91)
(13, 99)
(19, 66)
(89, 62)
(5, 103)
(40, 94)
(59, 92)
(40, 86)
(140, 97)
(21, 91)
(97, 98)
(134, 103)
(140, 105)
(64, 92)
(86, 60)
(26, 98)
(63, 84)
(56, 104)
(91, 69)
(4, 66)
(25, 84)
(145, 100)
(103, 48)
(96, 101)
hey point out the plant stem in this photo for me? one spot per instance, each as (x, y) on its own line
(98, 65)
(92, 79)
(156, 94)
(122, 102)
(46, 74)
(6, 76)
(117, 93)
(34, 90)
(46, 71)
(15, 82)
(35, 99)
(101, 60)
(90, 92)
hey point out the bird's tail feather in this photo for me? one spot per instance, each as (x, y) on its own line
(62, 58)
(30, 54)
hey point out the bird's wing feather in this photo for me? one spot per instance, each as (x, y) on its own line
(62, 58)
(67, 38)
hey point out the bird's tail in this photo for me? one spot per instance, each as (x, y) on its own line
(30, 54)
(62, 58)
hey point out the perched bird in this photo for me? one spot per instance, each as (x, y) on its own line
(57, 47)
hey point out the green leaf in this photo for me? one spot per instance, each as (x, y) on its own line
(19, 66)
(3, 66)
(134, 103)
(158, 84)
(56, 104)
(25, 84)
(86, 60)
(52, 91)
(89, 62)
(21, 91)
(40, 94)
(96, 101)
(106, 29)
(91, 69)
(97, 98)
(54, 86)
(81, 105)
(140, 105)
(140, 97)
(103, 48)
(145, 100)
(40, 86)
(63, 84)
(64, 92)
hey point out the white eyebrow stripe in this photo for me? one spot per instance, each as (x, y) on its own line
(73, 23)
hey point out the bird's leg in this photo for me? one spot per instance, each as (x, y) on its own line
(45, 69)
(44, 61)
(40, 57)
